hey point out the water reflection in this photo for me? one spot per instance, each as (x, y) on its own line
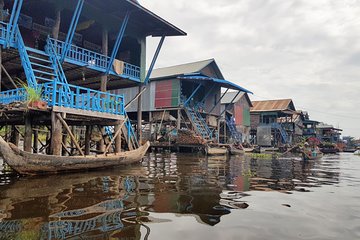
(119, 203)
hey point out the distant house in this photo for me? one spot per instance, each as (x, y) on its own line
(186, 96)
(272, 122)
(236, 112)
(328, 133)
(309, 129)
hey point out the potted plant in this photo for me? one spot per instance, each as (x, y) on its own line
(33, 96)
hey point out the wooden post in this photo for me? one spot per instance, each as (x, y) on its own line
(36, 141)
(28, 134)
(87, 139)
(178, 123)
(150, 123)
(15, 136)
(62, 121)
(139, 116)
(104, 79)
(64, 143)
(218, 129)
(56, 135)
(56, 27)
(118, 138)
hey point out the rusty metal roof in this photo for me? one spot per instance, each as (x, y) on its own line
(273, 105)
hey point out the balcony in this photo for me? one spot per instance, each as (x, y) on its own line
(57, 94)
(99, 62)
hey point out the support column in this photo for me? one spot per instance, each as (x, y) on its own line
(178, 123)
(103, 84)
(150, 125)
(28, 134)
(64, 143)
(36, 141)
(118, 139)
(56, 28)
(139, 117)
(56, 135)
(2, 4)
(15, 136)
(87, 139)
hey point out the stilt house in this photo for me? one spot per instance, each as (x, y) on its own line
(71, 53)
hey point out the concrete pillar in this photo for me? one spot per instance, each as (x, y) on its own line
(56, 135)
(87, 139)
(28, 134)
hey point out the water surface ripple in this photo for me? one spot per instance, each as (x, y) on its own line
(188, 196)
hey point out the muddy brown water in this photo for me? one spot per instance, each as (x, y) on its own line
(184, 196)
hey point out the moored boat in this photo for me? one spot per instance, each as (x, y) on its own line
(216, 151)
(236, 150)
(33, 164)
(357, 152)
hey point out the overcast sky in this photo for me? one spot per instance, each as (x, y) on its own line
(306, 50)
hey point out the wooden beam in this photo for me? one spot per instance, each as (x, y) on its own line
(115, 136)
(8, 76)
(56, 135)
(136, 97)
(28, 134)
(88, 139)
(70, 133)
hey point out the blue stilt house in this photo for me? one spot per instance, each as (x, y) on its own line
(73, 53)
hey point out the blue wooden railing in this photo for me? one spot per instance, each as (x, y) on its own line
(56, 94)
(92, 59)
(14, 95)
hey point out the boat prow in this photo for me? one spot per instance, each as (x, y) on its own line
(33, 164)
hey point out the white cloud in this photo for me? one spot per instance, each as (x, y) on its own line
(301, 49)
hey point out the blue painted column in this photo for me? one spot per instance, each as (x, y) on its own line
(12, 25)
(219, 100)
(147, 78)
(192, 95)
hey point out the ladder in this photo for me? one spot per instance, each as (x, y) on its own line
(199, 123)
(283, 133)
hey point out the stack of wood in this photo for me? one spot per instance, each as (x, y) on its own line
(188, 137)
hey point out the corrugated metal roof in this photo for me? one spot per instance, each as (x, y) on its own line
(188, 68)
(272, 105)
(228, 97)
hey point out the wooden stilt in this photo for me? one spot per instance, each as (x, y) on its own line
(64, 143)
(56, 27)
(118, 139)
(15, 136)
(62, 121)
(36, 141)
(178, 123)
(56, 135)
(28, 134)
(87, 139)
(139, 116)
(150, 123)
(116, 135)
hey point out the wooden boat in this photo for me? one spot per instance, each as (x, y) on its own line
(33, 164)
(233, 150)
(312, 156)
(216, 151)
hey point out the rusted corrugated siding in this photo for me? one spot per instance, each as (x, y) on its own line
(167, 93)
(271, 105)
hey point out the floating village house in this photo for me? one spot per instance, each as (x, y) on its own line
(272, 122)
(328, 133)
(72, 53)
(235, 125)
(186, 96)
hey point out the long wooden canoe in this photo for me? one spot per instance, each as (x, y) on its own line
(34, 164)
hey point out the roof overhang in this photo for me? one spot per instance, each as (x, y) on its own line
(146, 21)
(222, 82)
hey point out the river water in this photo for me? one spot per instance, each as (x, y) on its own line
(184, 196)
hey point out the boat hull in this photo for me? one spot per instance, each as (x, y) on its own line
(34, 164)
(216, 151)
